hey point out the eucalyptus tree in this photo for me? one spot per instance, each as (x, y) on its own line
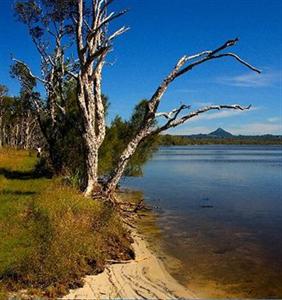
(46, 21)
(94, 42)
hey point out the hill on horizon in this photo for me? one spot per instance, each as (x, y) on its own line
(221, 133)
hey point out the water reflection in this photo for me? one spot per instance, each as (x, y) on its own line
(221, 215)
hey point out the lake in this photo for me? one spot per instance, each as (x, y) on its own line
(219, 208)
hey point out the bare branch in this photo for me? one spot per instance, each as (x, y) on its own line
(118, 32)
(209, 55)
(179, 70)
(86, 24)
(240, 60)
(227, 44)
(112, 16)
(79, 34)
(175, 122)
(106, 4)
(207, 52)
(171, 115)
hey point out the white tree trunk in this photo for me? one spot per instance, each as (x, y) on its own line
(92, 171)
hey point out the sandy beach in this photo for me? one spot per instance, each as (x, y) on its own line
(142, 278)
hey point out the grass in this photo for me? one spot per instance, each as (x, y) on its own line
(50, 235)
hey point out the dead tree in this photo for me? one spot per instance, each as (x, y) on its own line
(93, 44)
(177, 116)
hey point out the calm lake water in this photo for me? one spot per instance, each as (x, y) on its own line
(220, 213)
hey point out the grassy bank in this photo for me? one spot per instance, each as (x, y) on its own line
(50, 235)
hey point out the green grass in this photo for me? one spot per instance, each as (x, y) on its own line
(50, 235)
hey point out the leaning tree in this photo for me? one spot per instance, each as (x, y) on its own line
(176, 116)
(94, 41)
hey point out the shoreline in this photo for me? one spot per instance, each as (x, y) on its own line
(145, 277)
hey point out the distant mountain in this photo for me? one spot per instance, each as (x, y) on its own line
(220, 133)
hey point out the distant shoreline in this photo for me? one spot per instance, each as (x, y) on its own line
(179, 140)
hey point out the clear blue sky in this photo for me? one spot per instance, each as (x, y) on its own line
(161, 32)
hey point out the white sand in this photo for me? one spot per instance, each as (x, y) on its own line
(142, 278)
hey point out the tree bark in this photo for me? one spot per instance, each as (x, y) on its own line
(92, 172)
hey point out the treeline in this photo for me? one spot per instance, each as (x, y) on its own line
(176, 140)
(18, 123)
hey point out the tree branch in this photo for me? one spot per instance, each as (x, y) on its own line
(238, 58)
(79, 34)
(119, 32)
(112, 16)
(209, 55)
(175, 122)
(171, 115)
(29, 71)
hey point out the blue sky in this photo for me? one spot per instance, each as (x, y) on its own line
(161, 31)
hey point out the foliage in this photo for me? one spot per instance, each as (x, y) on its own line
(118, 136)
(50, 234)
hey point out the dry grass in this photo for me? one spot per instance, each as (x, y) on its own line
(50, 235)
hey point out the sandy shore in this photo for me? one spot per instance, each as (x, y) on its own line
(142, 278)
